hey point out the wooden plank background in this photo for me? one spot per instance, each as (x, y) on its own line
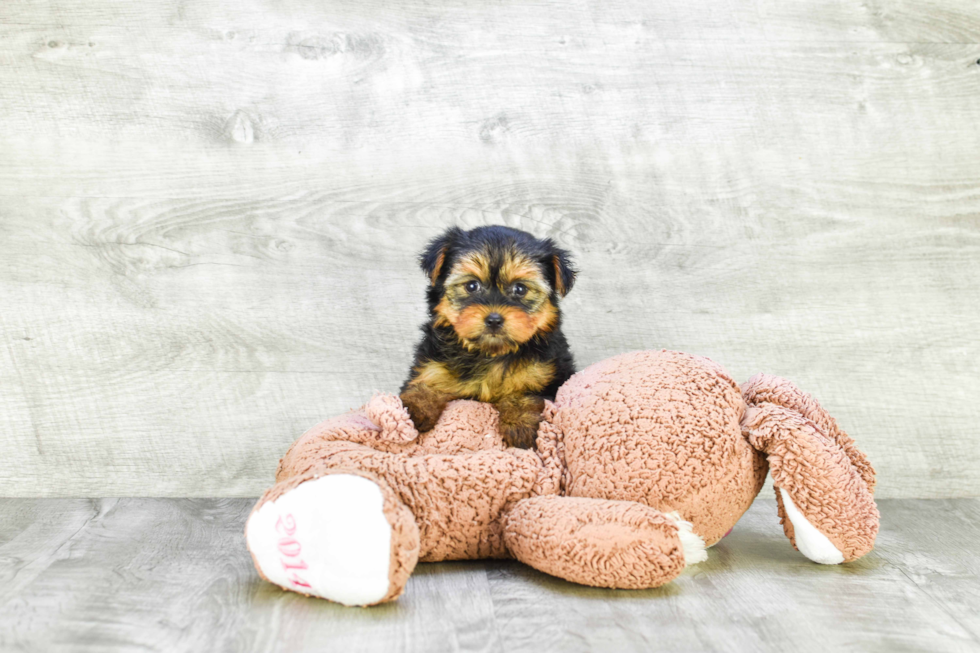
(210, 212)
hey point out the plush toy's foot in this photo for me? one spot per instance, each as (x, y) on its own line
(339, 534)
(824, 484)
(808, 539)
(618, 544)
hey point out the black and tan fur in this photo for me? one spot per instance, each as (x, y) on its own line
(494, 328)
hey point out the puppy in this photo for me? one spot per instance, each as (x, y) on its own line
(494, 328)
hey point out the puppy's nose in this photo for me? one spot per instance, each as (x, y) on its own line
(494, 320)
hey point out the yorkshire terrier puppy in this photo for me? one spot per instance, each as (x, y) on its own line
(494, 328)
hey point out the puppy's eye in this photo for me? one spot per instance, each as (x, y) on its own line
(472, 286)
(519, 289)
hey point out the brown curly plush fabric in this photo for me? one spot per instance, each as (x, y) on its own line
(766, 388)
(458, 500)
(626, 441)
(831, 482)
(633, 546)
(660, 428)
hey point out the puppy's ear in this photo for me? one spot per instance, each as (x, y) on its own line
(436, 252)
(564, 274)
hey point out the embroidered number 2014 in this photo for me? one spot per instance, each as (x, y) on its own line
(290, 549)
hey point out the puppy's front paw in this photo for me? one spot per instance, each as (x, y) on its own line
(519, 419)
(424, 413)
(521, 435)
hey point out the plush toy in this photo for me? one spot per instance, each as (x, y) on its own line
(642, 461)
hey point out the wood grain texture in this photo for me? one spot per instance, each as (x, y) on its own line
(173, 575)
(210, 212)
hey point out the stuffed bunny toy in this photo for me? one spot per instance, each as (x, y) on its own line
(642, 462)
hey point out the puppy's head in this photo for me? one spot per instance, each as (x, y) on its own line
(496, 287)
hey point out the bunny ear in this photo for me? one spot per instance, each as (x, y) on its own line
(561, 263)
(436, 252)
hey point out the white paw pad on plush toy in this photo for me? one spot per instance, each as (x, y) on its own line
(328, 537)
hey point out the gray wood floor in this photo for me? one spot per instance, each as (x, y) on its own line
(174, 575)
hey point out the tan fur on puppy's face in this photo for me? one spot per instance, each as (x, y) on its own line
(498, 275)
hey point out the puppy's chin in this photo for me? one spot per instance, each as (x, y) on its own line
(492, 344)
